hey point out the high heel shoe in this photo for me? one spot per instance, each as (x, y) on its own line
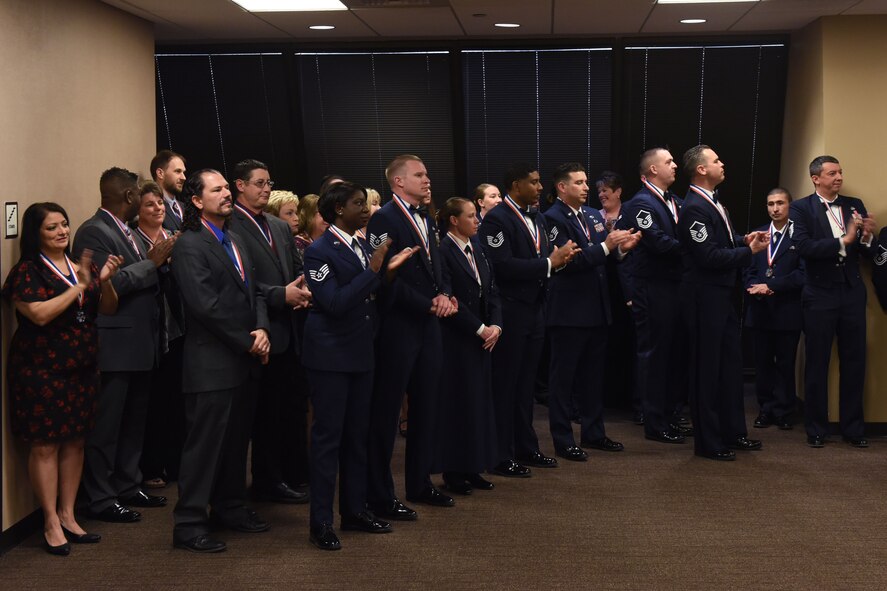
(86, 538)
(60, 550)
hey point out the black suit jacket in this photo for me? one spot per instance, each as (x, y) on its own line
(820, 249)
(782, 310)
(220, 312)
(130, 339)
(274, 270)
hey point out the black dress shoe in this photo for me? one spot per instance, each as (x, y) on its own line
(143, 499)
(117, 513)
(396, 511)
(665, 437)
(857, 441)
(724, 455)
(86, 538)
(432, 496)
(679, 419)
(479, 482)
(784, 423)
(202, 544)
(511, 469)
(249, 522)
(574, 453)
(638, 419)
(816, 441)
(324, 537)
(538, 460)
(60, 550)
(746, 444)
(763, 421)
(366, 522)
(603, 444)
(456, 483)
(682, 430)
(280, 493)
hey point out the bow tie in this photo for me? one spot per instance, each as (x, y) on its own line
(714, 196)
(531, 212)
(421, 210)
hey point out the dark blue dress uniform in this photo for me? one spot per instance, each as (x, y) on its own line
(521, 271)
(338, 357)
(879, 270)
(467, 425)
(712, 256)
(409, 347)
(577, 313)
(655, 269)
(834, 299)
(776, 320)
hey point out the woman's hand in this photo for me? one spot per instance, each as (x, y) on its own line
(83, 274)
(112, 265)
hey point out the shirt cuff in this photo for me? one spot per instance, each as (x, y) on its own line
(606, 250)
(868, 242)
(842, 250)
(481, 329)
(548, 273)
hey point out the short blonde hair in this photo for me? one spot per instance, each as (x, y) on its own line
(395, 167)
(373, 197)
(278, 199)
(307, 210)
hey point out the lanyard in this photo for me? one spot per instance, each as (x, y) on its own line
(268, 238)
(839, 220)
(771, 252)
(58, 273)
(469, 256)
(670, 204)
(422, 237)
(704, 194)
(238, 262)
(534, 231)
(349, 240)
(163, 235)
(126, 233)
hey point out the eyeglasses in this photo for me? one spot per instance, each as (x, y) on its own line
(262, 183)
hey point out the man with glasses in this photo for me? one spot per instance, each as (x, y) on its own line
(279, 451)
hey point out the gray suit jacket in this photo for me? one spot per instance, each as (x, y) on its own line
(170, 222)
(274, 271)
(128, 340)
(220, 312)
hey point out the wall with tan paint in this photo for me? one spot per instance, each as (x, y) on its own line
(835, 105)
(77, 98)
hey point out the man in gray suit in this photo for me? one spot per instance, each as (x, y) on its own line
(226, 340)
(279, 451)
(128, 350)
(168, 171)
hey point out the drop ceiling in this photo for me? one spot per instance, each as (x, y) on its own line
(212, 21)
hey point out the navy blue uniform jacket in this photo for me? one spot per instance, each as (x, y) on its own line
(341, 326)
(578, 293)
(782, 310)
(709, 257)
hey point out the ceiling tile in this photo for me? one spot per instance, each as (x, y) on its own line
(411, 22)
(788, 15)
(868, 7)
(610, 17)
(533, 16)
(296, 24)
(666, 18)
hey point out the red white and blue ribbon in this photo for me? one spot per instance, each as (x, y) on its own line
(771, 252)
(839, 220)
(126, 233)
(163, 235)
(670, 204)
(67, 279)
(268, 237)
(533, 231)
(469, 257)
(238, 262)
(704, 194)
(423, 237)
(349, 241)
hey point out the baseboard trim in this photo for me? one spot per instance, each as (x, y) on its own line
(20, 531)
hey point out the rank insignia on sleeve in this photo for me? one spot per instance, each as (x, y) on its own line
(881, 257)
(320, 274)
(698, 232)
(377, 241)
(644, 219)
(553, 234)
(497, 240)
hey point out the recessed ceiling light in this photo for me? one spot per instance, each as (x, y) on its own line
(693, 21)
(507, 25)
(701, 1)
(290, 5)
(321, 27)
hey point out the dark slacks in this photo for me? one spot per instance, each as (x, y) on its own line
(341, 403)
(114, 447)
(775, 352)
(408, 359)
(662, 366)
(213, 468)
(577, 374)
(515, 360)
(830, 312)
(715, 366)
(279, 452)
(165, 425)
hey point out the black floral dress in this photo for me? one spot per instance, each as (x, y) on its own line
(52, 370)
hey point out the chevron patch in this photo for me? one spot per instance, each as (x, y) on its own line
(377, 241)
(320, 274)
(497, 240)
(881, 257)
(698, 232)
(553, 234)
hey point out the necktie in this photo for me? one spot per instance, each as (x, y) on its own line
(582, 223)
(472, 262)
(177, 210)
(132, 242)
(229, 248)
(777, 236)
(355, 246)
